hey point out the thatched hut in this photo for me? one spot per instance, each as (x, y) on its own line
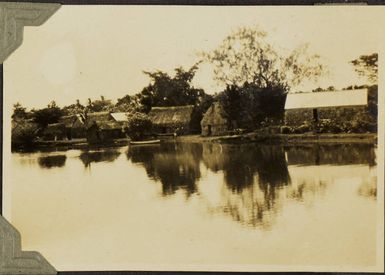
(74, 125)
(102, 127)
(176, 119)
(214, 122)
(55, 131)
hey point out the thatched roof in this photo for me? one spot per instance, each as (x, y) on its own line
(171, 115)
(55, 129)
(357, 97)
(70, 120)
(103, 120)
(215, 115)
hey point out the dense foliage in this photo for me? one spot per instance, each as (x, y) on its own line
(23, 132)
(257, 76)
(165, 90)
(48, 115)
(139, 126)
(246, 56)
(367, 67)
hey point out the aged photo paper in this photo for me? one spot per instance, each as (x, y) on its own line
(198, 138)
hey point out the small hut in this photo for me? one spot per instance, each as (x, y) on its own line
(102, 127)
(176, 119)
(308, 108)
(55, 131)
(74, 125)
(214, 122)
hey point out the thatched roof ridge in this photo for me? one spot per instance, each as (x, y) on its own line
(171, 115)
(55, 128)
(68, 121)
(215, 115)
(103, 120)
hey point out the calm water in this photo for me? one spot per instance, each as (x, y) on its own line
(208, 205)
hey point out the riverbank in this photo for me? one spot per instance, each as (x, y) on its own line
(286, 139)
(80, 143)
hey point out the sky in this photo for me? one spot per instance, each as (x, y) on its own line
(84, 52)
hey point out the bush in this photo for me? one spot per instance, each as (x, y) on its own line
(23, 132)
(304, 128)
(139, 126)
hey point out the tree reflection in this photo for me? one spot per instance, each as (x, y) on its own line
(52, 161)
(252, 175)
(87, 157)
(334, 154)
(256, 180)
(175, 165)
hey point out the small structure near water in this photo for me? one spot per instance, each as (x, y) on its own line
(55, 131)
(175, 119)
(102, 127)
(214, 122)
(337, 106)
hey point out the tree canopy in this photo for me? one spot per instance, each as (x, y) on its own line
(165, 90)
(367, 66)
(45, 116)
(246, 56)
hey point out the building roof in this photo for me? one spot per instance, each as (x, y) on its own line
(68, 120)
(55, 128)
(120, 117)
(171, 115)
(357, 97)
(215, 115)
(103, 120)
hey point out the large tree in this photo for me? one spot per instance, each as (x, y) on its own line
(74, 109)
(165, 90)
(45, 116)
(19, 112)
(246, 56)
(367, 66)
(101, 105)
(257, 77)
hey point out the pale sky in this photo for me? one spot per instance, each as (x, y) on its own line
(86, 51)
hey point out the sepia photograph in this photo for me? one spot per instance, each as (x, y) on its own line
(198, 138)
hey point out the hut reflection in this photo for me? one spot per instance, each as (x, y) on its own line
(52, 161)
(175, 165)
(87, 157)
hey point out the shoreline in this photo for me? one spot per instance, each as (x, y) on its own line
(278, 139)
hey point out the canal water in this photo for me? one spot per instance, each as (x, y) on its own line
(191, 206)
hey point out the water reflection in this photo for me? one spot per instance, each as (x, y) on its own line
(249, 183)
(52, 161)
(341, 154)
(175, 165)
(256, 178)
(241, 163)
(108, 155)
(368, 187)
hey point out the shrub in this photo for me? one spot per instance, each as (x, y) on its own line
(139, 126)
(23, 132)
